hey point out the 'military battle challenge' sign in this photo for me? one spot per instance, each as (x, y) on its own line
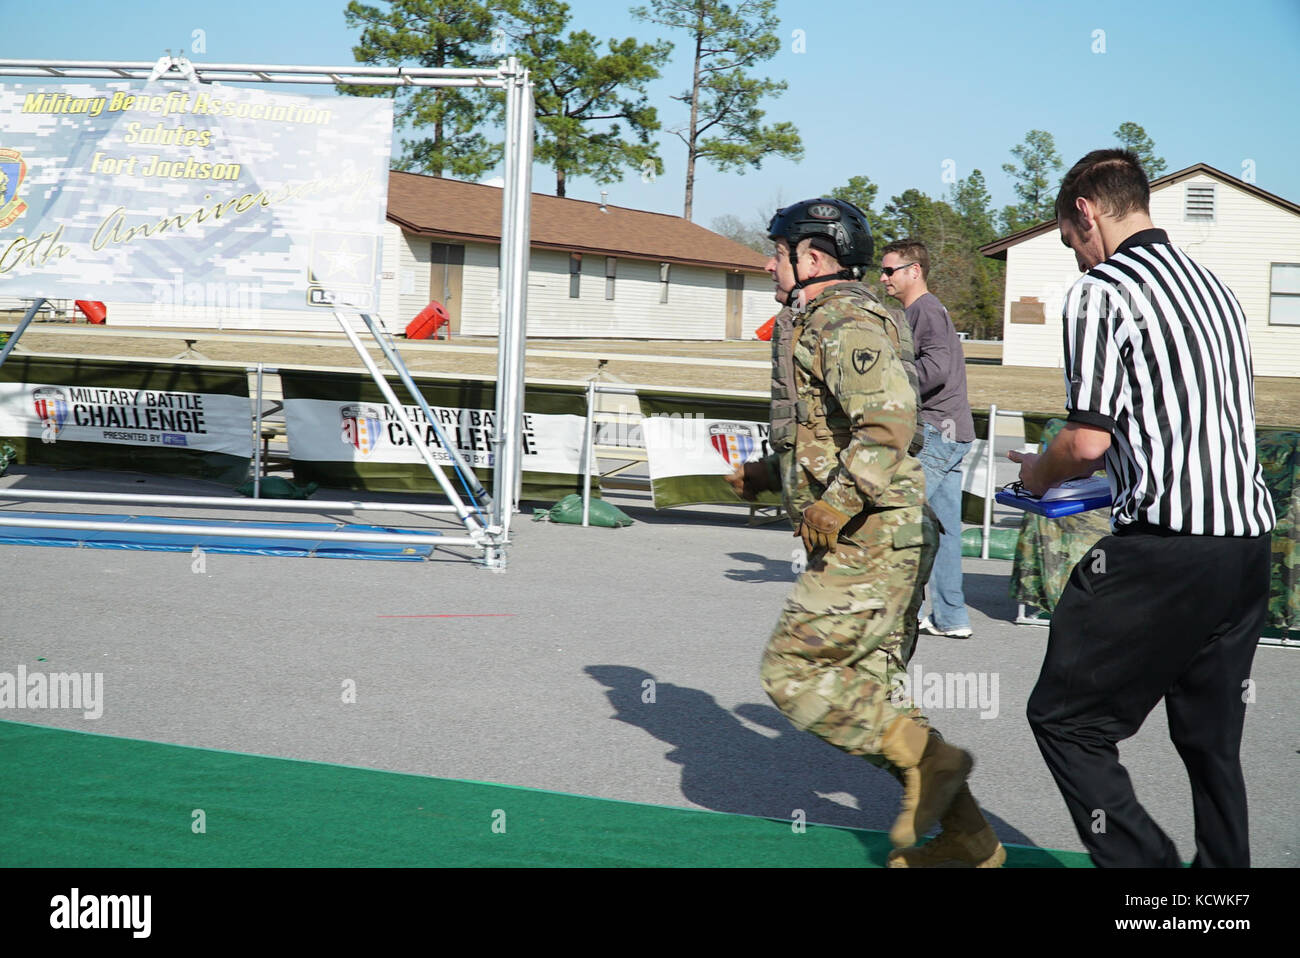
(343, 434)
(146, 417)
(694, 442)
(122, 191)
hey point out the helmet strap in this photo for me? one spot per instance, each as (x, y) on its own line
(848, 272)
(799, 303)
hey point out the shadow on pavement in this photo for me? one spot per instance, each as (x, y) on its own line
(753, 762)
(640, 506)
(990, 594)
(769, 570)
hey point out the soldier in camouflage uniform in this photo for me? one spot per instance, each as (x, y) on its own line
(844, 413)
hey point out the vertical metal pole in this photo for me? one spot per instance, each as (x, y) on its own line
(519, 244)
(524, 258)
(502, 501)
(19, 329)
(988, 483)
(515, 212)
(586, 452)
(257, 440)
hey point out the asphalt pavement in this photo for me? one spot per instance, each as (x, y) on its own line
(619, 663)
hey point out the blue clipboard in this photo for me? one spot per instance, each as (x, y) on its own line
(1053, 508)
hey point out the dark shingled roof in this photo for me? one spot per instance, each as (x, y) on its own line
(445, 209)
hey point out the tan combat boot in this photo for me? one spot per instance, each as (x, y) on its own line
(933, 772)
(967, 841)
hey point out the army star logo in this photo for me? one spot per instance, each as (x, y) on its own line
(12, 170)
(864, 359)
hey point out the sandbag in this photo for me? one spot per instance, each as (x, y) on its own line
(569, 510)
(1002, 543)
(277, 487)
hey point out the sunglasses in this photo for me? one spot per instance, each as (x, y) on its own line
(891, 270)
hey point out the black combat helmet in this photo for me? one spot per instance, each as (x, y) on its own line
(842, 222)
(835, 226)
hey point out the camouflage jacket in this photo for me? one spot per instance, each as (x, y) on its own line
(844, 409)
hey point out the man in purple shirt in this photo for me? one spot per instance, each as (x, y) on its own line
(949, 429)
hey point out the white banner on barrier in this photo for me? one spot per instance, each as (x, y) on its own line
(975, 468)
(323, 430)
(211, 422)
(693, 446)
(136, 192)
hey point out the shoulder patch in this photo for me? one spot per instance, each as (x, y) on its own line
(864, 358)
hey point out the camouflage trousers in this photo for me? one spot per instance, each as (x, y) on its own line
(848, 630)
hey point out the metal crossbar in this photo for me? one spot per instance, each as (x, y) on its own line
(172, 67)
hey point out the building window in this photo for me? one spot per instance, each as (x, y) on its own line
(663, 282)
(1199, 202)
(611, 267)
(575, 275)
(1284, 295)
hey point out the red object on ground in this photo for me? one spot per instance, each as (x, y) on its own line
(764, 332)
(431, 319)
(94, 311)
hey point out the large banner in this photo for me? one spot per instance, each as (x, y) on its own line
(342, 433)
(693, 442)
(132, 191)
(101, 414)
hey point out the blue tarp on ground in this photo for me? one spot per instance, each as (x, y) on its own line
(40, 535)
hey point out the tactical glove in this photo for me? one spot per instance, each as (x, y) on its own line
(821, 526)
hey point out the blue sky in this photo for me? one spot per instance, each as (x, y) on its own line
(886, 89)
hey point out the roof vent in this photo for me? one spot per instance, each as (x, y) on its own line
(603, 194)
(1200, 202)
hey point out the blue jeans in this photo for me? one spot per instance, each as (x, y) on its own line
(941, 459)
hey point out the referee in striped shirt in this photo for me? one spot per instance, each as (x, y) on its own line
(1171, 605)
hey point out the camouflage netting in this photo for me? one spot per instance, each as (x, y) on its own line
(1048, 549)
(1279, 455)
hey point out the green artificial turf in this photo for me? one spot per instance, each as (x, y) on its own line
(78, 799)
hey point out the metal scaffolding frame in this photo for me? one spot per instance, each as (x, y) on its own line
(490, 531)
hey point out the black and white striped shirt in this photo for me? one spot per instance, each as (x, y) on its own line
(1157, 353)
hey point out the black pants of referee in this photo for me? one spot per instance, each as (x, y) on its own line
(1144, 617)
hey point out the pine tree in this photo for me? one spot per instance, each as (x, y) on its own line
(431, 33)
(861, 192)
(967, 283)
(1133, 137)
(907, 215)
(576, 87)
(1038, 161)
(725, 127)
(982, 282)
(971, 200)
